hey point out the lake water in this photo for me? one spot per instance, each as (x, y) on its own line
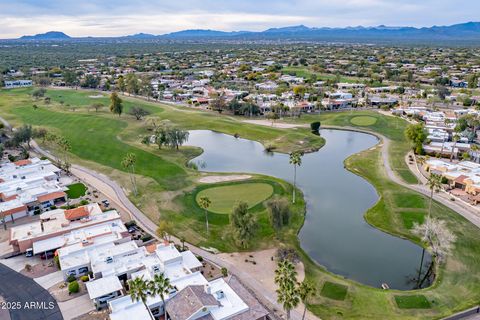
(335, 233)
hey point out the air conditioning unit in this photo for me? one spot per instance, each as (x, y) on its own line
(220, 294)
(109, 260)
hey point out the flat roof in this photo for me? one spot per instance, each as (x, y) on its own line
(103, 286)
(230, 303)
(124, 309)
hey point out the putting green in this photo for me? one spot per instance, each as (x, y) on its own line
(363, 121)
(224, 198)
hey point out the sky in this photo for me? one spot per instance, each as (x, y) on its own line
(121, 17)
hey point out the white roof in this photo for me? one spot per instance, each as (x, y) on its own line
(190, 260)
(230, 303)
(123, 309)
(103, 286)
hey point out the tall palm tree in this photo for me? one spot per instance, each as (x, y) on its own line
(434, 183)
(455, 139)
(306, 290)
(128, 163)
(286, 280)
(205, 203)
(139, 292)
(296, 160)
(160, 285)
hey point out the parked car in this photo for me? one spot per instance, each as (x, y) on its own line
(46, 255)
(106, 203)
(29, 252)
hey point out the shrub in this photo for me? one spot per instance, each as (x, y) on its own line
(73, 287)
(84, 278)
(71, 278)
(200, 258)
(130, 224)
(224, 272)
(146, 237)
(83, 202)
(315, 126)
(444, 180)
(28, 267)
(56, 259)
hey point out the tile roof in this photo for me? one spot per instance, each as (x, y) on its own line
(77, 213)
(51, 196)
(188, 302)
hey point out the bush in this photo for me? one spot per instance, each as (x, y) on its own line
(73, 287)
(71, 278)
(84, 278)
(130, 224)
(444, 180)
(56, 259)
(146, 237)
(28, 267)
(224, 272)
(83, 202)
(315, 126)
(200, 258)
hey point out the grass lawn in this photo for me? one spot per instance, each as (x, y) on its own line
(409, 218)
(412, 302)
(191, 217)
(76, 190)
(334, 291)
(363, 121)
(226, 197)
(407, 200)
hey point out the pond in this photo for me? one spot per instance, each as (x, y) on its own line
(335, 234)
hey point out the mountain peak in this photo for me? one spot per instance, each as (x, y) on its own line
(50, 35)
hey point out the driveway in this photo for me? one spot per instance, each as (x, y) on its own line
(33, 301)
(76, 307)
(50, 279)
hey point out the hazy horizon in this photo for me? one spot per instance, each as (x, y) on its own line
(118, 18)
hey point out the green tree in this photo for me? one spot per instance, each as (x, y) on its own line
(132, 84)
(243, 223)
(128, 163)
(160, 285)
(65, 147)
(306, 290)
(139, 291)
(416, 134)
(279, 212)
(116, 104)
(296, 161)
(120, 84)
(286, 280)
(205, 204)
(177, 137)
(22, 135)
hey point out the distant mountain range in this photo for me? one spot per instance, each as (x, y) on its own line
(469, 31)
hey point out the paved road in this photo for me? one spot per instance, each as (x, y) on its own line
(20, 291)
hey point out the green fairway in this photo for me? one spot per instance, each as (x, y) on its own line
(363, 121)
(226, 197)
(76, 190)
(412, 302)
(409, 218)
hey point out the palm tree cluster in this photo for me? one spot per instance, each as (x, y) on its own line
(141, 289)
(290, 292)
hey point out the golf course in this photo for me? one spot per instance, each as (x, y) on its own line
(169, 189)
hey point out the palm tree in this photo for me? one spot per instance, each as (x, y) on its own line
(204, 204)
(287, 292)
(296, 160)
(434, 184)
(455, 139)
(129, 163)
(306, 290)
(139, 292)
(160, 285)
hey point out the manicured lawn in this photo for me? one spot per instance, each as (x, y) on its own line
(407, 200)
(363, 121)
(409, 218)
(226, 197)
(76, 190)
(412, 302)
(334, 291)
